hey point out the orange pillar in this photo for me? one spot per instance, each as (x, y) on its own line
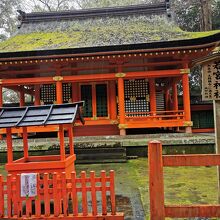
(75, 92)
(22, 96)
(121, 103)
(94, 102)
(153, 101)
(37, 94)
(156, 183)
(112, 100)
(25, 142)
(62, 144)
(1, 101)
(59, 92)
(175, 96)
(9, 145)
(186, 100)
(70, 134)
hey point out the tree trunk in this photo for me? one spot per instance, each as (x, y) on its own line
(206, 15)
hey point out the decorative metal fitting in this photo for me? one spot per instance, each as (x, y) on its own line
(114, 122)
(57, 78)
(122, 126)
(187, 123)
(120, 75)
(184, 71)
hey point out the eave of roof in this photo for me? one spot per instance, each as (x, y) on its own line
(208, 41)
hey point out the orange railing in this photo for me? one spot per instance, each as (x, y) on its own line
(158, 209)
(59, 197)
(160, 115)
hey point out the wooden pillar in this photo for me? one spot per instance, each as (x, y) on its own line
(94, 101)
(62, 143)
(37, 95)
(186, 100)
(75, 92)
(121, 103)
(153, 101)
(1, 102)
(175, 96)
(22, 96)
(70, 134)
(112, 100)
(25, 142)
(9, 145)
(156, 183)
(59, 92)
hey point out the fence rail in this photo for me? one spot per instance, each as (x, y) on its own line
(158, 209)
(87, 197)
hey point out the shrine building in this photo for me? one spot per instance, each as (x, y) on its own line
(124, 62)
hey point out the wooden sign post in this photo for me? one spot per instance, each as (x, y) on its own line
(211, 91)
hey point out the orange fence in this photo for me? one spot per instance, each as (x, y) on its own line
(61, 198)
(158, 209)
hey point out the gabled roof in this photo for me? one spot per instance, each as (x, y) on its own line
(40, 115)
(94, 29)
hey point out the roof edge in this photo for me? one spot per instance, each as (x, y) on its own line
(159, 8)
(212, 40)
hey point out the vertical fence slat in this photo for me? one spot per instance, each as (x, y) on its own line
(74, 194)
(38, 198)
(18, 195)
(84, 194)
(28, 208)
(112, 192)
(56, 196)
(156, 185)
(1, 197)
(46, 196)
(64, 195)
(93, 193)
(9, 196)
(103, 184)
(14, 196)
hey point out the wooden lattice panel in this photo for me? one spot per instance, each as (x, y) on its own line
(136, 96)
(101, 100)
(160, 101)
(67, 92)
(48, 93)
(86, 96)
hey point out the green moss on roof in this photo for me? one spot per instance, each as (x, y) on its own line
(96, 32)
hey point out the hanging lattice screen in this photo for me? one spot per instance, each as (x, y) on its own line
(67, 92)
(160, 101)
(48, 93)
(101, 100)
(136, 96)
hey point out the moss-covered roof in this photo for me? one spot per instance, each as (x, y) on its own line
(96, 31)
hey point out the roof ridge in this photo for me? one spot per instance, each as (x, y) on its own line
(156, 8)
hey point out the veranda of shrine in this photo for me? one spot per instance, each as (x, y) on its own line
(130, 86)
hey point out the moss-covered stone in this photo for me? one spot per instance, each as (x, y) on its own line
(104, 31)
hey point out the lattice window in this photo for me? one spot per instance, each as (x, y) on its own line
(101, 100)
(86, 96)
(48, 93)
(160, 101)
(136, 96)
(67, 92)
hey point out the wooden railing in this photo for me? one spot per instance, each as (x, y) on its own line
(58, 197)
(160, 115)
(158, 209)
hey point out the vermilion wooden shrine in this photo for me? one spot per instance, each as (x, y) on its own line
(124, 62)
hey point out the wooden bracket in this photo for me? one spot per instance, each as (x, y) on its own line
(184, 71)
(57, 78)
(120, 75)
(122, 126)
(187, 123)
